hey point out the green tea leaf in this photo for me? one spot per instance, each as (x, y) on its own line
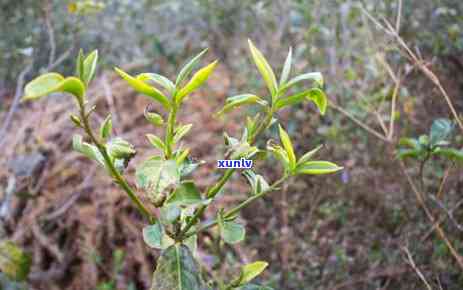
(177, 270)
(408, 153)
(286, 141)
(315, 95)
(410, 142)
(319, 98)
(185, 194)
(155, 175)
(13, 261)
(106, 127)
(154, 118)
(42, 85)
(440, 131)
(158, 79)
(230, 231)
(313, 76)
(306, 157)
(450, 153)
(170, 213)
(152, 235)
(90, 151)
(80, 64)
(317, 167)
(188, 67)
(156, 142)
(145, 89)
(181, 155)
(286, 68)
(264, 68)
(240, 100)
(254, 287)
(181, 131)
(251, 271)
(53, 83)
(257, 182)
(89, 67)
(120, 149)
(279, 153)
(196, 81)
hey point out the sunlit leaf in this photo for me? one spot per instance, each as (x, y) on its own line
(317, 167)
(264, 68)
(279, 153)
(286, 68)
(286, 141)
(313, 76)
(106, 127)
(90, 151)
(145, 89)
(156, 141)
(13, 261)
(154, 118)
(315, 95)
(53, 83)
(306, 157)
(319, 98)
(181, 131)
(89, 67)
(250, 271)
(198, 79)
(240, 100)
(188, 67)
(158, 79)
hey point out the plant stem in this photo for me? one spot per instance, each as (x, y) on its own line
(239, 207)
(212, 192)
(170, 130)
(118, 178)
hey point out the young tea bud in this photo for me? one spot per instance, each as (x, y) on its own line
(121, 149)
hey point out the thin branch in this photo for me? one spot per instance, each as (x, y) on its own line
(359, 123)
(51, 34)
(438, 229)
(395, 94)
(417, 61)
(15, 104)
(411, 262)
(399, 16)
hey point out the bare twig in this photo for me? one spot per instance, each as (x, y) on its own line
(110, 99)
(51, 33)
(15, 104)
(440, 232)
(399, 16)
(9, 191)
(46, 243)
(416, 60)
(359, 123)
(411, 262)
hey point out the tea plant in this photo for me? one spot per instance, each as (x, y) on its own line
(435, 144)
(164, 178)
